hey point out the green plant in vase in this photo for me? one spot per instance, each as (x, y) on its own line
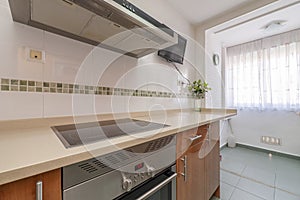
(198, 89)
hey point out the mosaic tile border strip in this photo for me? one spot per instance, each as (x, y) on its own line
(65, 88)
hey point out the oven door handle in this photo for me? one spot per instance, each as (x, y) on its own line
(158, 187)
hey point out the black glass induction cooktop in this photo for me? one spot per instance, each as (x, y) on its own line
(72, 135)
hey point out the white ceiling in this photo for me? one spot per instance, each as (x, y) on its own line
(197, 11)
(253, 29)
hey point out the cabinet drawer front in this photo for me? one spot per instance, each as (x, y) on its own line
(26, 189)
(190, 137)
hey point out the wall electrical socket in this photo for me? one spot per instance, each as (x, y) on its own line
(270, 140)
(35, 55)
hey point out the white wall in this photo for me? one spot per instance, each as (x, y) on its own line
(163, 11)
(214, 77)
(70, 61)
(209, 45)
(249, 126)
(213, 73)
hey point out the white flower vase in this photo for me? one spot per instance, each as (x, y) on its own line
(198, 104)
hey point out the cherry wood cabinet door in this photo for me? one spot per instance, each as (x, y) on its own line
(26, 189)
(190, 164)
(198, 163)
(191, 180)
(212, 161)
(212, 171)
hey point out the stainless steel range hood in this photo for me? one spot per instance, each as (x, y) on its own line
(113, 24)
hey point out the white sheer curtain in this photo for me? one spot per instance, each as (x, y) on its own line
(264, 74)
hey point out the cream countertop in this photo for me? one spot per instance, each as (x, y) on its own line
(30, 147)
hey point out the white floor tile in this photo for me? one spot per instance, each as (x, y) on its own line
(225, 152)
(226, 191)
(233, 166)
(253, 158)
(289, 182)
(281, 195)
(242, 195)
(229, 178)
(262, 161)
(265, 176)
(287, 166)
(259, 172)
(257, 189)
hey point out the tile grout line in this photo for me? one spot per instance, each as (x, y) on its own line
(297, 195)
(243, 170)
(235, 187)
(240, 177)
(232, 193)
(273, 187)
(245, 177)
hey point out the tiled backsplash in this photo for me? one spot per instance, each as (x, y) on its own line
(77, 78)
(50, 87)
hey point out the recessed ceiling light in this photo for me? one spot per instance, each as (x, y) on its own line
(274, 25)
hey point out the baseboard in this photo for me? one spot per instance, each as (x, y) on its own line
(267, 151)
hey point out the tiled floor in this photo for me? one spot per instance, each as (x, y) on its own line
(253, 175)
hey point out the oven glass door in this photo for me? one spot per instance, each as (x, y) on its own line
(162, 187)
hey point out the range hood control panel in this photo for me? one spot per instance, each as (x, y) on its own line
(126, 4)
(143, 15)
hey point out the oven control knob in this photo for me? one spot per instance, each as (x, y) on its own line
(127, 184)
(150, 171)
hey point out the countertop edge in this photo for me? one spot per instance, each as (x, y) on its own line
(38, 168)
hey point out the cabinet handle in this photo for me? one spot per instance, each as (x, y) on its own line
(39, 190)
(192, 139)
(184, 173)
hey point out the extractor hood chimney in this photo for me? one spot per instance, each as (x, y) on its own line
(113, 24)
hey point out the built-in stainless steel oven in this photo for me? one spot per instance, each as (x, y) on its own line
(146, 171)
(160, 187)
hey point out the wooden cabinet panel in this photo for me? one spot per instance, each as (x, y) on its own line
(202, 163)
(191, 180)
(194, 184)
(25, 189)
(212, 170)
(212, 160)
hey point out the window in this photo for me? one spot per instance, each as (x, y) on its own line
(264, 74)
